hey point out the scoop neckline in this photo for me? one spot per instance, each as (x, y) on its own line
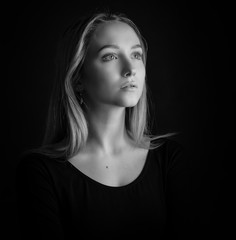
(134, 182)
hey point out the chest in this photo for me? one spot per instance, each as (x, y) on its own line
(112, 171)
(99, 208)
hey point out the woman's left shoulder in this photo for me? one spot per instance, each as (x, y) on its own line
(170, 147)
(171, 154)
(173, 146)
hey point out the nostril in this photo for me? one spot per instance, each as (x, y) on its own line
(129, 73)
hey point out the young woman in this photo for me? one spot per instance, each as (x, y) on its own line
(100, 173)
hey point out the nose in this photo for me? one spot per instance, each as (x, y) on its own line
(128, 70)
(129, 73)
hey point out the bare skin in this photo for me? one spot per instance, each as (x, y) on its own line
(109, 156)
(109, 170)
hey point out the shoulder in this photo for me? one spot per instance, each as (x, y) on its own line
(173, 147)
(32, 165)
(170, 154)
(32, 160)
(169, 147)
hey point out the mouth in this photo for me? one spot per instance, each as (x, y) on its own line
(129, 86)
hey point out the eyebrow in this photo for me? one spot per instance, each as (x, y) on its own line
(117, 47)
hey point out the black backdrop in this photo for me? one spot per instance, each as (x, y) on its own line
(188, 73)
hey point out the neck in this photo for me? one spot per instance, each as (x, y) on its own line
(107, 132)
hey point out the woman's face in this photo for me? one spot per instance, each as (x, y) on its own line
(114, 57)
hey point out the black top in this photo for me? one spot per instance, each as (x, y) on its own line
(57, 201)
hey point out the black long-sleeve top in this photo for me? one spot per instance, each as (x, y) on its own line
(58, 201)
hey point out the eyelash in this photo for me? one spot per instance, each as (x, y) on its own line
(104, 58)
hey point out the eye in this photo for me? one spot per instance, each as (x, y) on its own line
(109, 57)
(137, 55)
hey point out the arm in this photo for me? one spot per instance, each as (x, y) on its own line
(178, 193)
(38, 210)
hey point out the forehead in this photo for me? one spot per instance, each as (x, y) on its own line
(114, 32)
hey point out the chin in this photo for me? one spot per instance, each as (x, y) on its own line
(129, 102)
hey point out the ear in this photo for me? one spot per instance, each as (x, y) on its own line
(79, 86)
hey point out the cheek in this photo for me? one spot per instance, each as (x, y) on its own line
(98, 79)
(104, 77)
(141, 75)
(141, 79)
(102, 73)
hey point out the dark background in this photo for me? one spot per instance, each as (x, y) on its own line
(188, 73)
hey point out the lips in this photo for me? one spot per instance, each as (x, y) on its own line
(129, 84)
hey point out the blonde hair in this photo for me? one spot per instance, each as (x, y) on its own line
(67, 128)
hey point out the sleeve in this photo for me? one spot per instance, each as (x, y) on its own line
(178, 193)
(37, 204)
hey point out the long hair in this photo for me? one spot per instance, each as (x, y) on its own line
(67, 129)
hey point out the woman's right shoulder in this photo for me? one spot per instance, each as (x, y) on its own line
(37, 162)
(30, 163)
(31, 158)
